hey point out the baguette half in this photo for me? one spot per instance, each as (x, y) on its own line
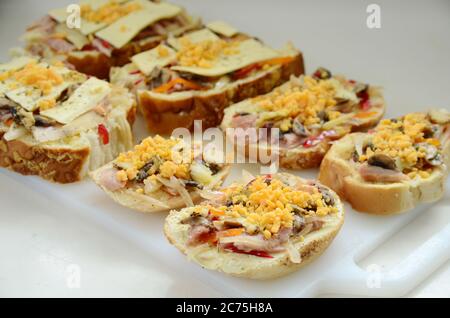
(279, 264)
(168, 183)
(382, 198)
(302, 155)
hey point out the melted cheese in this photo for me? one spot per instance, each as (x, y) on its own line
(126, 28)
(157, 57)
(223, 28)
(246, 53)
(84, 99)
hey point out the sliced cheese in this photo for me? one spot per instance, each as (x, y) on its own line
(194, 37)
(86, 27)
(248, 52)
(16, 63)
(148, 60)
(85, 98)
(223, 28)
(30, 97)
(74, 36)
(126, 28)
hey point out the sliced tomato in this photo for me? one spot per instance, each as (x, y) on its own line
(103, 134)
(185, 83)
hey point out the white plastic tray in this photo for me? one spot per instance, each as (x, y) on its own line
(335, 271)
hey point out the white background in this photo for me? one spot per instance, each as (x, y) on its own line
(409, 56)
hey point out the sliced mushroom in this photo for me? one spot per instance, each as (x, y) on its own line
(150, 168)
(322, 74)
(382, 161)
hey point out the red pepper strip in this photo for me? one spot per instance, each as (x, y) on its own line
(135, 72)
(186, 84)
(364, 100)
(243, 72)
(234, 249)
(314, 140)
(105, 44)
(103, 134)
(138, 81)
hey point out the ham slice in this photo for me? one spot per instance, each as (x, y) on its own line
(109, 180)
(244, 121)
(377, 174)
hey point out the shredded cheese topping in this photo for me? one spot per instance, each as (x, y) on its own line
(205, 53)
(269, 205)
(109, 12)
(306, 101)
(174, 163)
(402, 140)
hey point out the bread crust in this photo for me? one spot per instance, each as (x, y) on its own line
(163, 114)
(62, 164)
(139, 203)
(377, 198)
(252, 267)
(305, 158)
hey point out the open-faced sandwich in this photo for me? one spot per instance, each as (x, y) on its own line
(109, 33)
(309, 112)
(58, 123)
(161, 174)
(196, 76)
(266, 227)
(391, 169)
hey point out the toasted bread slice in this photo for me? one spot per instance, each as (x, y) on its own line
(306, 150)
(303, 248)
(129, 182)
(94, 51)
(79, 134)
(341, 173)
(184, 80)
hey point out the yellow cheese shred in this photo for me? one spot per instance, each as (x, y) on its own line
(108, 12)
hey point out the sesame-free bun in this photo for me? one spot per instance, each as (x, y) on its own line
(129, 198)
(249, 266)
(300, 157)
(338, 173)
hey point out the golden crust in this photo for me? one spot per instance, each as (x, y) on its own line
(252, 267)
(61, 165)
(163, 115)
(383, 199)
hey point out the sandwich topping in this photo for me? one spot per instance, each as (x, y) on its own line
(406, 148)
(49, 102)
(200, 60)
(109, 12)
(310, 109)
(160, 165)
(262, 217)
